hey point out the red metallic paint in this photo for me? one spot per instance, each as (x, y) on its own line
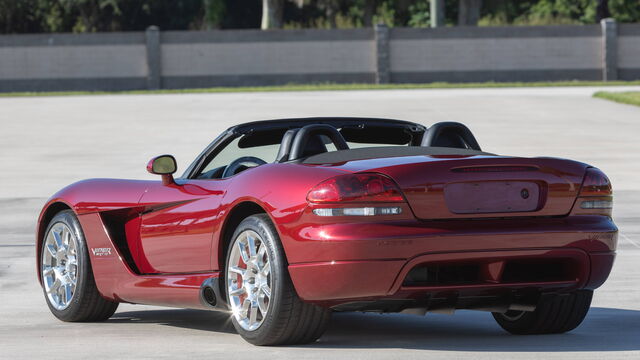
(174, 231)
(116, 281)
(178, 237)
(423, 180)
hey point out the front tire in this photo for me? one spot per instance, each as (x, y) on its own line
(265, 309)
(67, 278)
(553, 315)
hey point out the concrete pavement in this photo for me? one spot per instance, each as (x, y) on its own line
(47, 143)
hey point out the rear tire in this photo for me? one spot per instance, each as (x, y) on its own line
(286, 318)
(64, 259)
(553, 315)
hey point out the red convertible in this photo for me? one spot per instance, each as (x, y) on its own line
(283, 222)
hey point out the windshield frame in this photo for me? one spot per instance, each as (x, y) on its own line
(234, 132)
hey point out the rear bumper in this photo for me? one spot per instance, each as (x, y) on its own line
(349, 280)
(373, 264)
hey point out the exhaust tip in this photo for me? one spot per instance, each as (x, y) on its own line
(209, 296)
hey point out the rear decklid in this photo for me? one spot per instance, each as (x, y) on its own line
(458, 186)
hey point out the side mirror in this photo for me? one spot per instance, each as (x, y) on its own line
(164, 165)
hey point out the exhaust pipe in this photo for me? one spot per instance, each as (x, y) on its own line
(211, 295)
(522, 307)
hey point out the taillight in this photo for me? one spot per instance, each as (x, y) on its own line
(596, 194)
(595, 183)
(356, 188)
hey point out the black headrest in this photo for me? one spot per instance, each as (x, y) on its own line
(285, 145)
(450, 134)
(309, 140)
(315, 145)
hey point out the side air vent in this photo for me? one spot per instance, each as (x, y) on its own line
(114, 221)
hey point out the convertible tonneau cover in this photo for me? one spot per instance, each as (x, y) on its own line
(333, 157)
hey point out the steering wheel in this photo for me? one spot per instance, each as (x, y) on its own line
(241, 164)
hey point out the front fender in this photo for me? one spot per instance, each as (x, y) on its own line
(87, 196)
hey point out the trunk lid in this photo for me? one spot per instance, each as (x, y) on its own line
(445, 187)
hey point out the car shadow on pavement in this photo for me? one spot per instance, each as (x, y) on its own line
(604, 329)
(183, 318)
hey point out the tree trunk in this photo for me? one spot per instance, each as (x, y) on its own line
(402, 12)
(602, 10)
(436, 8)
(331, 12)
(369, 10)
(469, 12)
(272, 14)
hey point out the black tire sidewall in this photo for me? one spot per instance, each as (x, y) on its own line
(84, 273)
(554, 314)
(520, 325)
(279, 275)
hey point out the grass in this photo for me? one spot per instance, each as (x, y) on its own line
(628, 97)
(330, 86)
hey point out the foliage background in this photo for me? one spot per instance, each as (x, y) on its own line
(36, 16)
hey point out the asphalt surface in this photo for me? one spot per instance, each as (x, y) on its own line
(47, 143)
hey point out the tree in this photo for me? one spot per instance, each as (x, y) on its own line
(368, 12)
(602, 10)
(625, 10)
(214, 11)
(272, 14)
(403, 12)
(37, 16)
(469, 12)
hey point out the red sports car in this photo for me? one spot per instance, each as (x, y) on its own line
(283, 222)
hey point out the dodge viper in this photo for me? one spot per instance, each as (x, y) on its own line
(280, 223)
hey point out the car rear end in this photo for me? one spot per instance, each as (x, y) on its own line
(440, 233)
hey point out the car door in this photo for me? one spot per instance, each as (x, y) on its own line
(178, 227)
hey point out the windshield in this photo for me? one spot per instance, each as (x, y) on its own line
(258, 147)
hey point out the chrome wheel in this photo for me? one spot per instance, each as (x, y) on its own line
(60, 265)
(248, 277)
